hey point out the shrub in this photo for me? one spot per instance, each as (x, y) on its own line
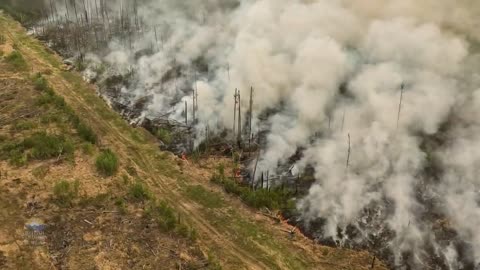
(88, 149)
(44, 146)
(98, 201)
(50, 118)
(86, 133)
(276, 198)
(107, 163)
(38, 146)
(139, 192)
(204, 197)
(2, 39)
(164, 135)
(49, 97)
(65, 192)
(40, 172)
(16, 60)
(24, 125)
(40, 83)
(120, 203)
(163, 215)
(221, 170)
(213, 263)
(186, 232)
(17, 158)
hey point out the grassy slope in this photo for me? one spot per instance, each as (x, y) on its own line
(233, 234)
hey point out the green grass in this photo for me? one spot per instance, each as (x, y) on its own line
(213, 263)
(16, 60)
(164, 135)
(44, 146)
(139, 192)
(107, 163)
(40, 82)
(40, 172)
(78, 85)
(275, 198)
(3, 39)
(86, 133)
(163, 214)
(98, 201)
(88, 148)
(204, 197)
(121, 206)
(49, 97)
(38, 146)
(24, 125)
(65, 192)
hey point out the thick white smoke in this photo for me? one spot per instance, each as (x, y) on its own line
(297, 55)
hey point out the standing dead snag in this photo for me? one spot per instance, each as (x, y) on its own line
(250, 116)
(195, 97)
(156, 38)
(348, 154)
(239, 138)
(235, 112)
(186, 114)
(193, 106)
(329, 122)
(255, 169)
(228, 71)
(402, 87)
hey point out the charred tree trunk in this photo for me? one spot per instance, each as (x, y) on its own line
(239, 139)
(402, 87)
(235, 113)
(186, 114)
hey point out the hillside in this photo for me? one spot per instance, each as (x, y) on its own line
(153, 212)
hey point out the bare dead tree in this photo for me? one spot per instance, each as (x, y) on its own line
(85, 11)
(75, 9)
(402, 87)
(186, 114)
(66, 8)
(195, 95)
(96, 9)
(268, 177)
(235, 112)
(193, 106)
(348, 154)
(156, 38)
(250, 113)
(239, 119)
(135, 10)
(52, 10)
(228, 71)
(255, 169)
(329, 122)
